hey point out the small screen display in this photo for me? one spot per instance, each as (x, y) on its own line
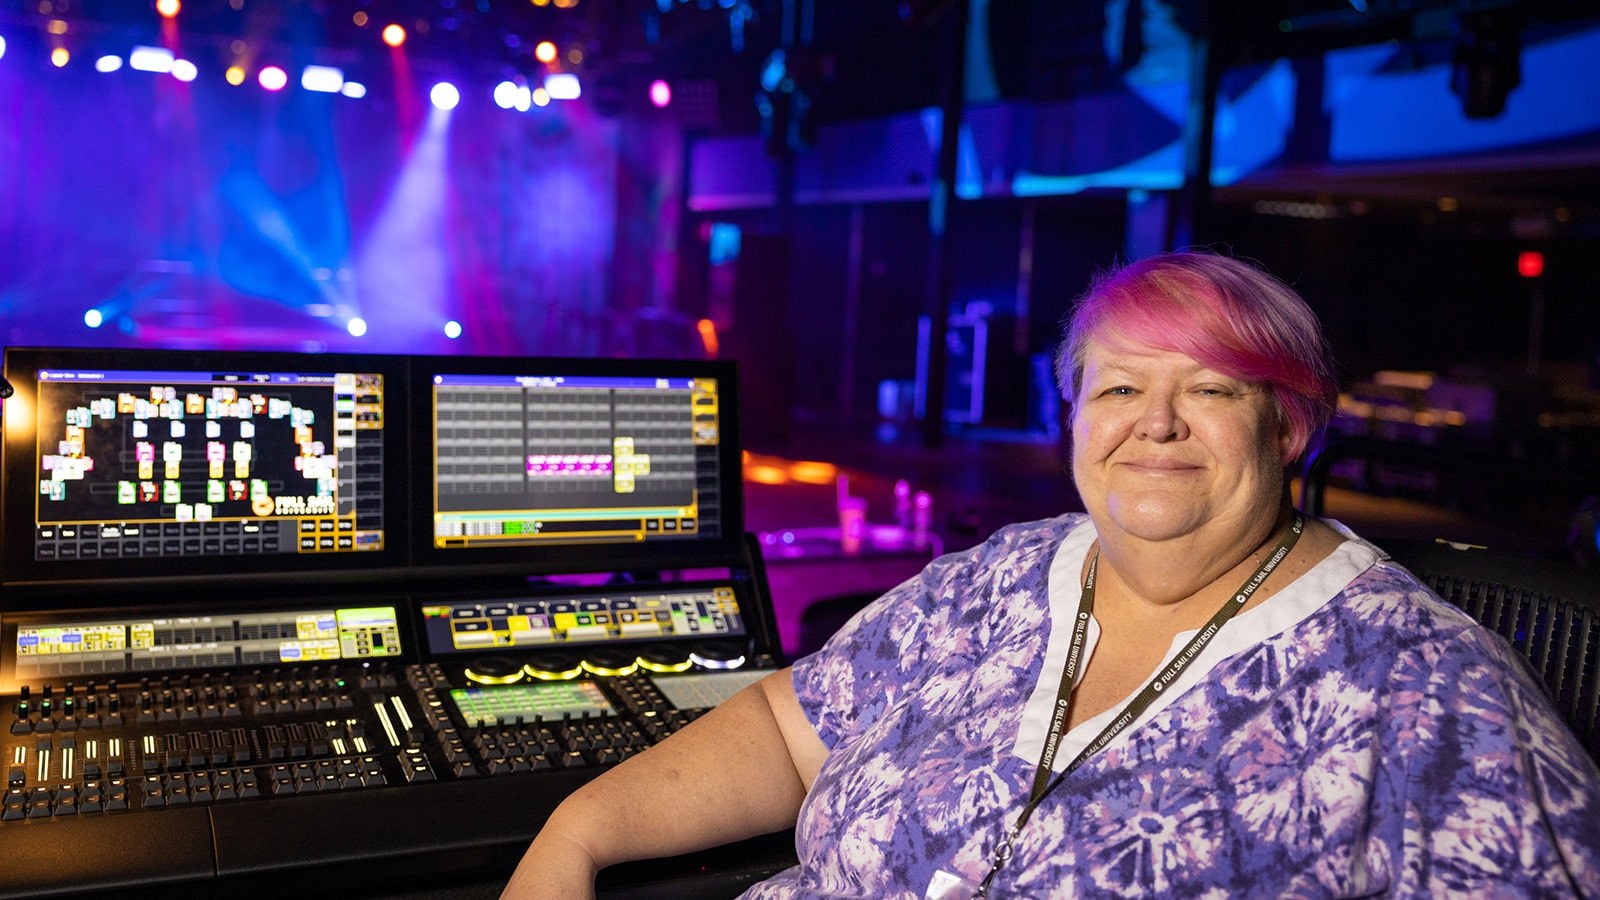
(484, 706)
(207, 464)
(527, 460)
(481, 626)
(113, 646)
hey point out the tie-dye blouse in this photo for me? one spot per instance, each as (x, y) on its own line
(1352, 735)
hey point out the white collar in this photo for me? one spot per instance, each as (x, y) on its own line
(1274, 615)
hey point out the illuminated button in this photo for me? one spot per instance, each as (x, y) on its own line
(553, 667)
(718, 655)
(610, 663)
(494, 670)
(664, 660)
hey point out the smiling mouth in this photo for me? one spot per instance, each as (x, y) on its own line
(1162, 466)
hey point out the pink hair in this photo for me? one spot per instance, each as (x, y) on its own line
(1225, 314)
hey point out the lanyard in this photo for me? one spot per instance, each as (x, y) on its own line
(1043, 784)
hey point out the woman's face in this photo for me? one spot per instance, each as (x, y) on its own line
(1163, 447)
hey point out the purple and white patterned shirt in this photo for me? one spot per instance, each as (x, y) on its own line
(1352, 735)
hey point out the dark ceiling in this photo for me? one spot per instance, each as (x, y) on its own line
(864, 58)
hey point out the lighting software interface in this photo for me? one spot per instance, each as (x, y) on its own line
(527, 460)
(481, 626)
(207, 464)
(110, 646)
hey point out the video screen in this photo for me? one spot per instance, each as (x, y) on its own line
(124, 464)
(203, 463)
(539, 459)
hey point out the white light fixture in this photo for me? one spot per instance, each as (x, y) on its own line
(563, 86)
(322, 79)
(151, 59)
(445, 95)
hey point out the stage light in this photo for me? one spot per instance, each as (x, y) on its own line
(234, 75)
(354, 89)
(322, 79)
(360, 18)
(545, 52)
(444, 95)
(151, 59)
(272, 78)
(2, 47)
(59, 57)
(540, 97)
(394, 35)
(184, 70)
(1530, 264)
(708, 336)
(56, 27)
(108, 63)
(574, 56)
(452, 329)
(357, 326)
(505, 94)
(94, 318)
(168, 8)
(563, 86)
(524, 99)
(660, 93)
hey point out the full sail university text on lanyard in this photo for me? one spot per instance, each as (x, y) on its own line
(949, 886)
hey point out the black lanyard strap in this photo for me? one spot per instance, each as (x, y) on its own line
(1043, 783)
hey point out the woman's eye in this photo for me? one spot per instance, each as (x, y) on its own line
(1121, 391)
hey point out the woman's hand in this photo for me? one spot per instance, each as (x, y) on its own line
(555, 867)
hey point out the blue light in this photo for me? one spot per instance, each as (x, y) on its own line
(108, 63)
(452, 329)
(94, 318)
(357, 327)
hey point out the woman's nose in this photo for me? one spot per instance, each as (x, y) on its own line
(1159, 420)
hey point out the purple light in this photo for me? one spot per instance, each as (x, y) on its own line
(660, 93)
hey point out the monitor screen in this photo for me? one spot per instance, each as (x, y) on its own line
(123, 463)
(656, 613)
(155, 642)
(568, 462)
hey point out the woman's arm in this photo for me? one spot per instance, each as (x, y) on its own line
(740, 770)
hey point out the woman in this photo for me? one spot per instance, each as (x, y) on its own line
(1191, 689)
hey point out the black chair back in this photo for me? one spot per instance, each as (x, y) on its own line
(1548, 610)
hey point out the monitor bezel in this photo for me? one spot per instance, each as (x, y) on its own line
(568, 558)
(19, 463)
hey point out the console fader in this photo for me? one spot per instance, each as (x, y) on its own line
(291, 740)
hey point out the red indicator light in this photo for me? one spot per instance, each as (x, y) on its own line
(1530, 264)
